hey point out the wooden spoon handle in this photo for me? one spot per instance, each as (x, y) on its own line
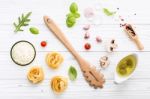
(139, 44)
(60, 35)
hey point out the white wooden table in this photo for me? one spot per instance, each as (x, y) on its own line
(13, 81)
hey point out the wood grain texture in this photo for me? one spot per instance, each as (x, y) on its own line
(13, 80)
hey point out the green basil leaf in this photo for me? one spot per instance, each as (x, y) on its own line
(70, 15)
(72, 73)
(107, 12)
(34, 30)
(73, 7)
(70, 21)
(69, 24)
(76, 15)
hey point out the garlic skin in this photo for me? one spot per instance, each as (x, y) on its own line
(86, 27)
(98, 39)
(89, 12)
(86, 35)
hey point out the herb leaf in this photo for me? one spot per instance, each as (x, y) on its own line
(73, 15)
(107, 12)
(34, 30)
(73, 7)
(69, 23)
(76, 15)
(72, 73)
(22, 21)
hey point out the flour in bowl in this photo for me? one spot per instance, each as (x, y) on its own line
(23, 53)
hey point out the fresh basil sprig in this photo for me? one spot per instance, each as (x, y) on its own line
(22, 21)
(72, 73)
(73, 15)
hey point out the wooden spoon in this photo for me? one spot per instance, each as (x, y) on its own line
(94, 78)
(132, 34)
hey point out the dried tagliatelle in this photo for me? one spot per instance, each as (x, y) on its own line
(54, 59)
(59, 84)
(35, 75)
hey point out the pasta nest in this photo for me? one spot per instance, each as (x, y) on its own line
(54, 59)
(59, 84)
(35, 75)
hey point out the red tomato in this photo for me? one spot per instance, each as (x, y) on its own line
(87, 46)
(43, 43)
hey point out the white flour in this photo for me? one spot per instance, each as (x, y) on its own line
(23, 53)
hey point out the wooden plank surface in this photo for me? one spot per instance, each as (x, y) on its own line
(13, 81)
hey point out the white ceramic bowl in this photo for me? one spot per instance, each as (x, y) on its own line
(118, 79)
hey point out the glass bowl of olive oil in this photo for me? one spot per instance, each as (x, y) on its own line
(125, 68)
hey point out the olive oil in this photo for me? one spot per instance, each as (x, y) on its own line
(126, 66)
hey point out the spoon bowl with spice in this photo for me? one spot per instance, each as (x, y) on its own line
(133, 35)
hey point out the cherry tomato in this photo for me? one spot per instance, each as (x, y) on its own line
(87, 46)
(43, 43)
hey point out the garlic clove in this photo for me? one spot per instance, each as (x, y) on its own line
(86, 27)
